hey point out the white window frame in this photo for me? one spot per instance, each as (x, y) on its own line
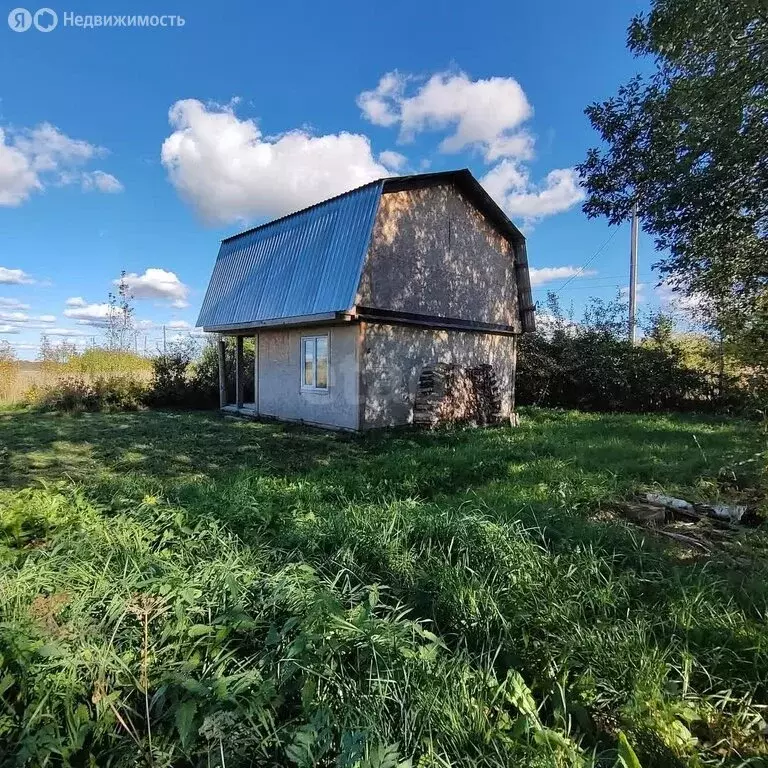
(313, 387)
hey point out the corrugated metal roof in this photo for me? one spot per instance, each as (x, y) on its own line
(307, 263)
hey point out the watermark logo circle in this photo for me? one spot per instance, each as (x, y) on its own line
(19, 19)
(46, 20)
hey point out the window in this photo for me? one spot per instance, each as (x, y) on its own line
(314, 362)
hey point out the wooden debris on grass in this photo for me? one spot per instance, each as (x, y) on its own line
(702, 527)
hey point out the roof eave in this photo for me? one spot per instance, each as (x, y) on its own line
(282, 322)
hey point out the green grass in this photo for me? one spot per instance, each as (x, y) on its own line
(180, 589)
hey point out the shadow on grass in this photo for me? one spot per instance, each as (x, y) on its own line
(488, 533)
(599, 453)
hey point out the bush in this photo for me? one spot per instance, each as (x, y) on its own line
(593, 371)
(74, 395)
(170, 386)
(178, 382)
(205, 372)
(181, 382)
(591, 366)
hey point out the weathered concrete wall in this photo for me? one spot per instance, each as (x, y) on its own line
(280, 393)
(392, 357)
(432, 252)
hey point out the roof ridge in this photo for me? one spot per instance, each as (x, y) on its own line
(302, 210)
(383, 181)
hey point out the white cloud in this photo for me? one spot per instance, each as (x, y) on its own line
(22, 320)
(509, 184)
(393, 161)
(486, 114)
(32, 158)
(179, 325)
(179, 304)
(102, 182)
(228, 170)
(13, 317)
(14, 276)
(380, 105)
(88, 314)
(75, 301)
(155, 284)
(9, 329)
(69, 332)
(17, 177)
(548, 274)
(9, 303)
(677, 302)
(49, 149)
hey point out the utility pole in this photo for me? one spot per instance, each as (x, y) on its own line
(633, 277)
(163, 339)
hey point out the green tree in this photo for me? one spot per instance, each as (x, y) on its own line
(689, 145)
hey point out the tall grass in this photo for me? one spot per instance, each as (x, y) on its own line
(217, 593)
(156, 639)
(9, 372)
(64, 366)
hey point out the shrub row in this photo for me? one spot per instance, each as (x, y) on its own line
(593, 370)
(176, 382)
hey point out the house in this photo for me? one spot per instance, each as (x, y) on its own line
(352, 300)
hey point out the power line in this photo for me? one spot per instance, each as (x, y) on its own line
(589, 260)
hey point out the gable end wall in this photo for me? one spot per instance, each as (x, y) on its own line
(433, 253)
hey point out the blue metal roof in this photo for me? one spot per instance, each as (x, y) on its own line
(307, 263)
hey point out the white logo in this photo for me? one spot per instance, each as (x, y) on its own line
(20, 19)
(46, 20)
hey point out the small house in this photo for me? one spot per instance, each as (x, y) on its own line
(366, 308)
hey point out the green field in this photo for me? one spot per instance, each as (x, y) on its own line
(186, 590)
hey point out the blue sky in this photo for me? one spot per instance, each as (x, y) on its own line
(137, 149)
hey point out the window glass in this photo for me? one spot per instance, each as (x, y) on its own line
(322, 362)
(309, 362)
(314, 362)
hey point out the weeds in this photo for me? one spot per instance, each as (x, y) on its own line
(217, 593)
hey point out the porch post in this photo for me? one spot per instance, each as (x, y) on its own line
(239, 379)
(222, 375)
(256, 372)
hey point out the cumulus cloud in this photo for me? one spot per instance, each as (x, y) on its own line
(678, 302)
(510, 185)
(156, 284)
(229, 170)
(182, 325)
(8, 303)
(544, 275)
(17, 177)
(17, 321)
(101, 182)
(16, 317)
(68, 332)
(14, 277)
(87, 314)
(485, 114)
(33, 158)
(393, 161)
